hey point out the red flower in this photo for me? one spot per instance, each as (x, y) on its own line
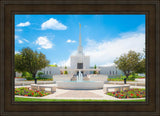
(25, 95)
(122, 95)
(32, 93)
(137, 94)
(116, 94)
(131, 94)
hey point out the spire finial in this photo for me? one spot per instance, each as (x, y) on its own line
(79, 34)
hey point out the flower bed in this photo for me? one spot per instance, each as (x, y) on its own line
(132, 93)
(141, 78)
(25, 91)
(18, 77)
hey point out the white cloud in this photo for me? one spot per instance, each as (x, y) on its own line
(70, 41)
(64, 63)
(26, 40)
(20, 41)
(141, 28)
(53, 24)
(16, 52)
(24, 24)
(15, 36)
(44, 42)
(54, 63)
(104, 53)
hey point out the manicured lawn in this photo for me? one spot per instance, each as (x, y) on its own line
(18, 99)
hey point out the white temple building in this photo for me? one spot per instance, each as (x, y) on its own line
(80, 61)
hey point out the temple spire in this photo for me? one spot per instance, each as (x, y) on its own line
(80, 49)
(79, 34)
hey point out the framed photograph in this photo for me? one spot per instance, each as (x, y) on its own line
(80, 58)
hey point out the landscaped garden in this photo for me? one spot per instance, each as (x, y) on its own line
(131, 77)
(25, 91)
(28, 77)
(132, 93)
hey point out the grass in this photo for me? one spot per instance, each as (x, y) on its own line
(19, 99)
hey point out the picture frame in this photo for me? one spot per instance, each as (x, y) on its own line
(149, 7)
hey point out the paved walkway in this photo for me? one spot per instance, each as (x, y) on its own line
(79, 94)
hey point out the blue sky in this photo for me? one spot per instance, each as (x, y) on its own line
(104, 37)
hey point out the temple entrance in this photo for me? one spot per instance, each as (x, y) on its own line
(79, 65)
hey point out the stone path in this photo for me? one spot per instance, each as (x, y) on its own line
(79, 94)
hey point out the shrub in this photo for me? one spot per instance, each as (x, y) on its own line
(29, 78)
(27, 75)
(44, 79)
(65, 72)
(40, 74)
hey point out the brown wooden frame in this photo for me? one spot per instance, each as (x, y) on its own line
(148, 7)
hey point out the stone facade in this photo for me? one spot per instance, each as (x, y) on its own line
(80, 59)
(110, 71)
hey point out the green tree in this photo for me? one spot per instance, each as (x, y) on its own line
(141, 66)
(65, 72)
(30, 61)
(94, 72)
(128, 63)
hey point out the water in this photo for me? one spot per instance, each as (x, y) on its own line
(80, 81)
(79, 77)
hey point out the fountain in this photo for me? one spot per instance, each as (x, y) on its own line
(79, 77)
(80, 83)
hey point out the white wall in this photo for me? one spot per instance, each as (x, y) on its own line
(110, 70)
(50, 70)
(97, 77)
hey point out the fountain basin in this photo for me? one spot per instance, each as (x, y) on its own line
(80, 84)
